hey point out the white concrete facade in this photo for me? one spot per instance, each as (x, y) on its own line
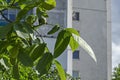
(95, 27)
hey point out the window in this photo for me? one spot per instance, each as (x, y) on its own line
(12, 14)
(75, 74)
(0, 17)
(12, 17)
(75, 16)
(3, 22)
(76, 54)
(5, 14)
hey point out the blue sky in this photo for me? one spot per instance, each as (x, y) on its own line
(115, 32)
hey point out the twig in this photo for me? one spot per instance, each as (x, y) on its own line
(5, 17)
(12, 3)
(42, 39)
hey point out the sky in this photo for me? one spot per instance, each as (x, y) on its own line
(115, 32)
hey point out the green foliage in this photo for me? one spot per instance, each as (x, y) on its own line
(61, 71)
(62, 42)
(44, 63)
(116, 73)
(4, 30)
(69, 77)
(23, 56)
(48, 4)
(54, 29)
(73, 43)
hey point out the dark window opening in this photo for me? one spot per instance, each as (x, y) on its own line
(75, 16)
(76, 54)
(76, 74)
(12, 17)
(3, 22)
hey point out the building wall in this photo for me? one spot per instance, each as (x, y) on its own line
(94, 28)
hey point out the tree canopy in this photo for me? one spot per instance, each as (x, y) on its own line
(116, 73)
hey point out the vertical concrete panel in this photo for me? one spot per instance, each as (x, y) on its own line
(93, 30)
(69, 25)
(109, 49)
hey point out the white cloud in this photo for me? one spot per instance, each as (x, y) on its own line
(115, 32)
(116, 54)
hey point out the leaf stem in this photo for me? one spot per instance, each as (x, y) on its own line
(41, 39)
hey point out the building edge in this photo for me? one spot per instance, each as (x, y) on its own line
(109, 40)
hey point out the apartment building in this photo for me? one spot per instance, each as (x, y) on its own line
(92, 19)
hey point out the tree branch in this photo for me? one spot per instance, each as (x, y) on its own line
(5, 17)
(41, 38)
(13, 3)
